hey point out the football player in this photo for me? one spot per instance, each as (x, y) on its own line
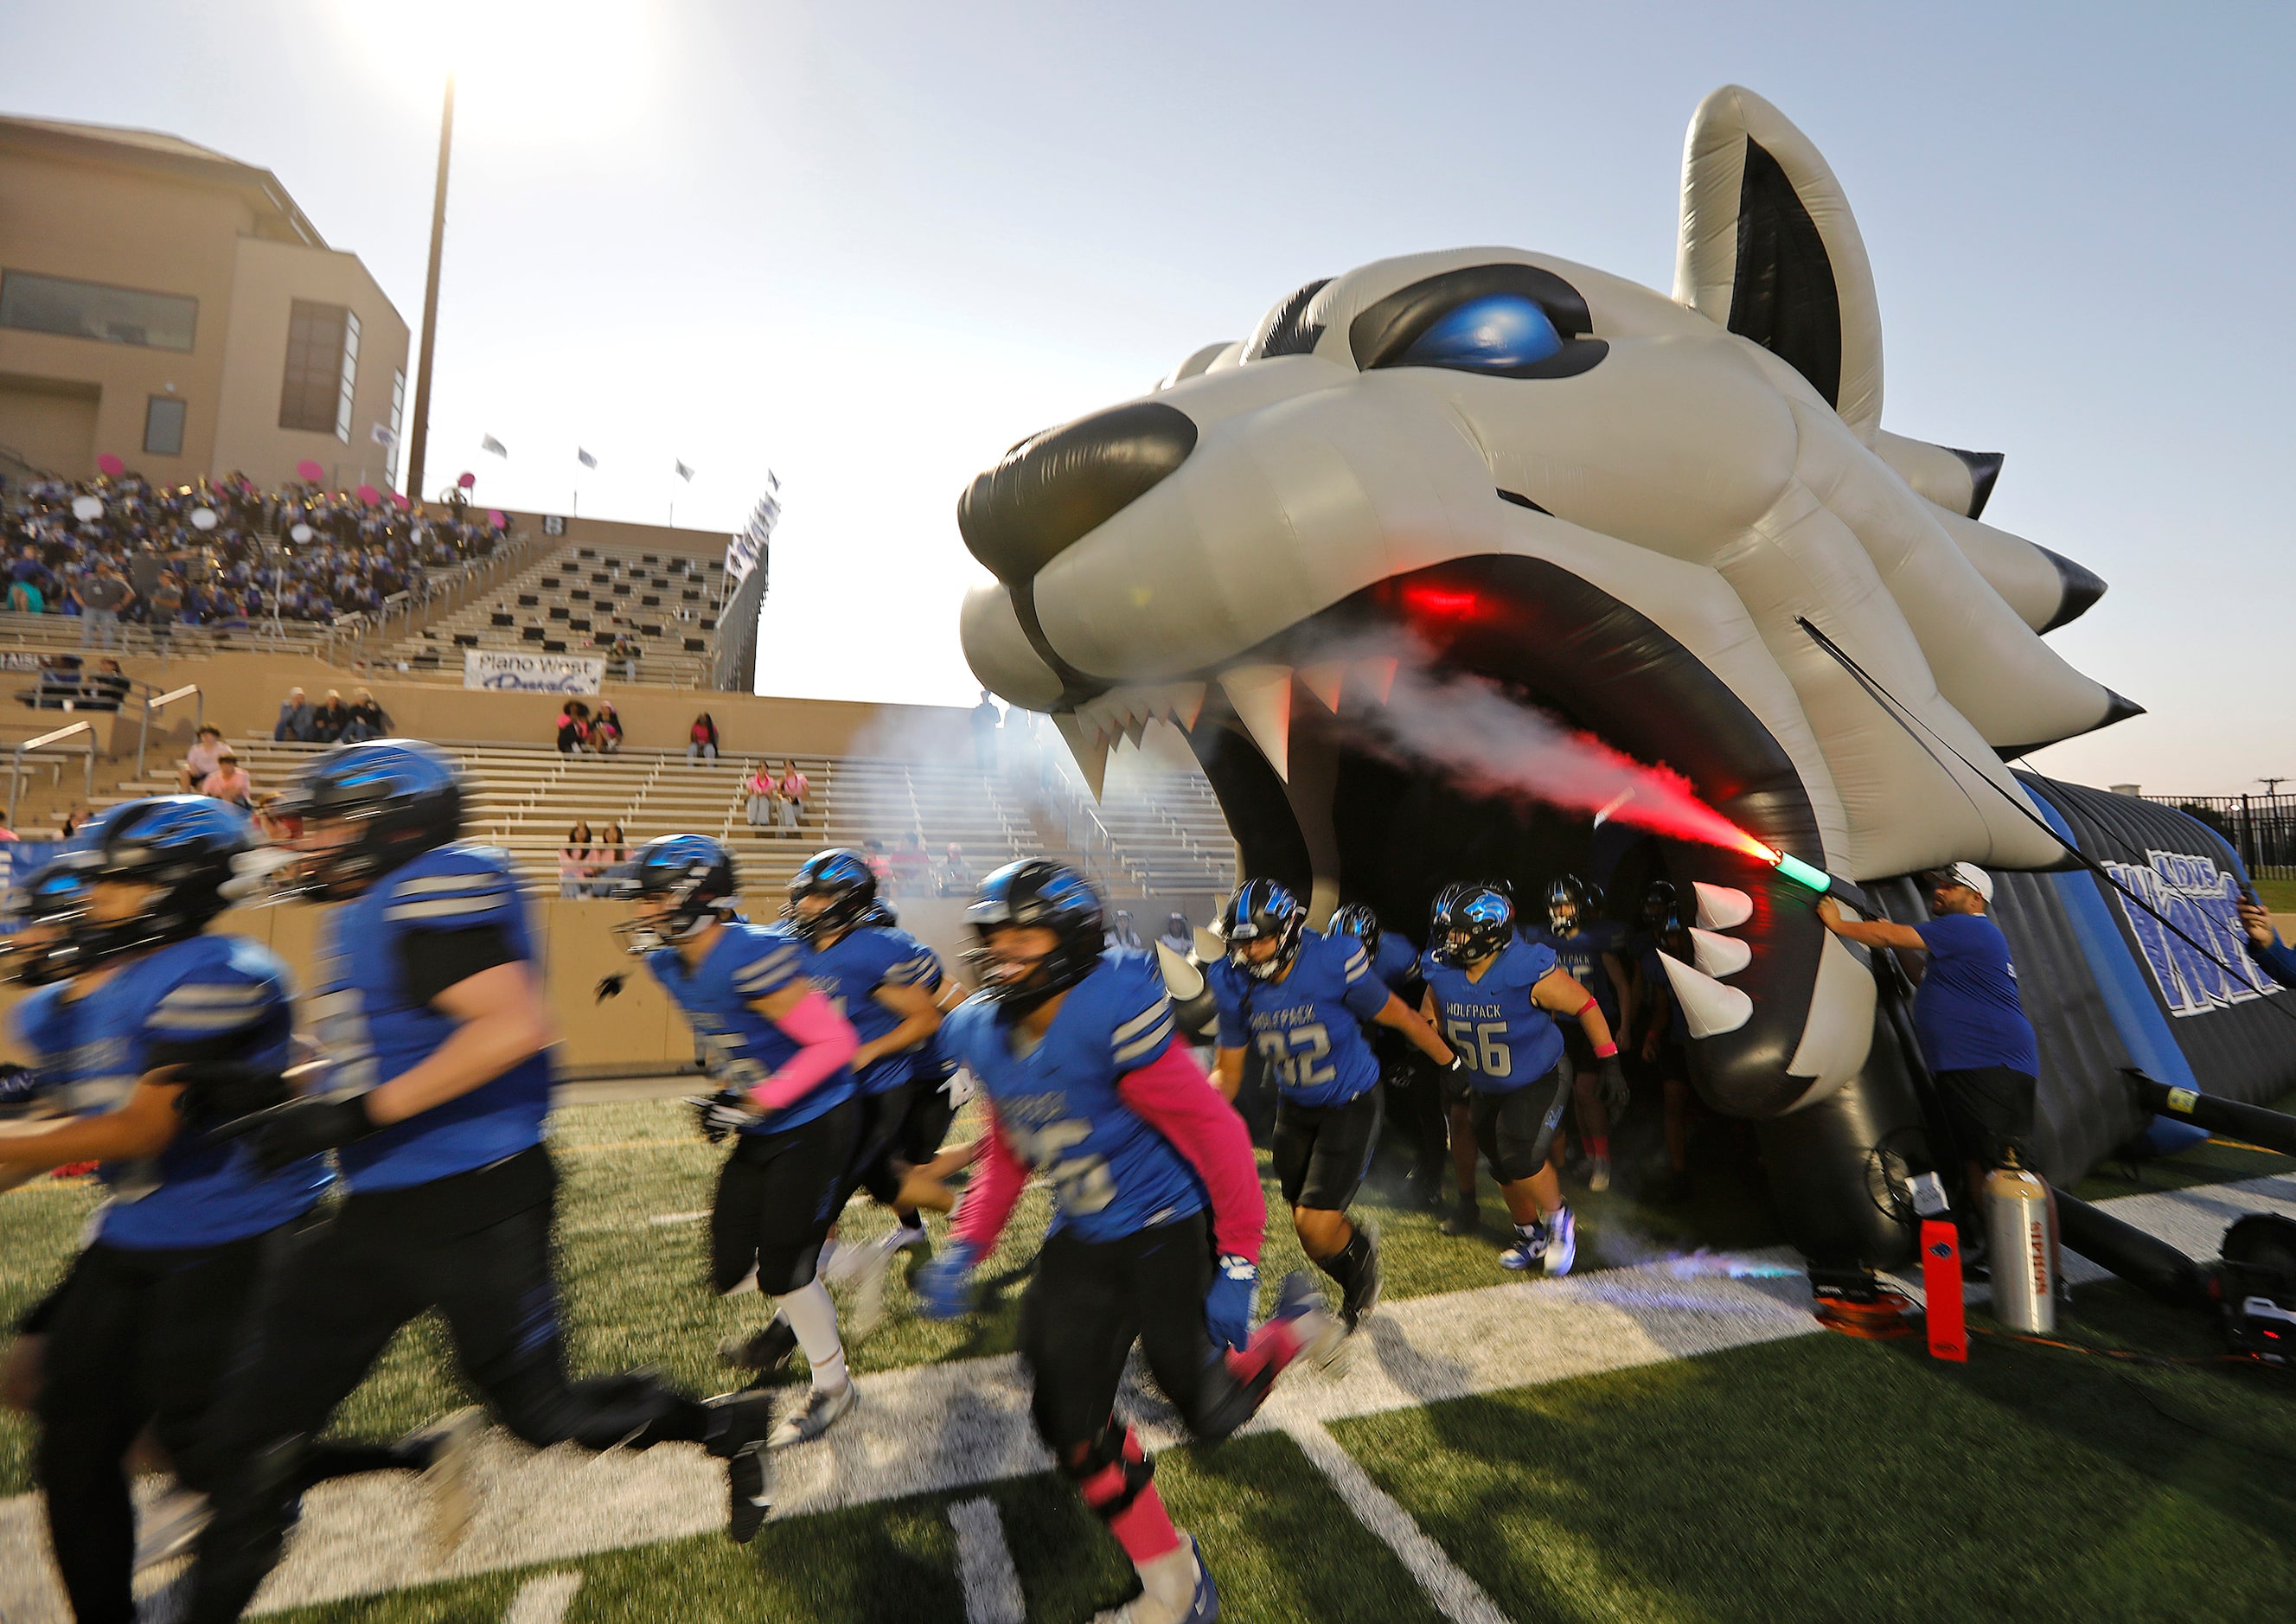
(1303, 1001)
(1074, 1048)
(887, 984)
(143, 1029)
(1499, 997)
(1413, 1102)
(1666, 1035)
(1586, 948)
(781, 1053)
(431, 1008)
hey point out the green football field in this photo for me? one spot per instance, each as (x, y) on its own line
(1796, 1476)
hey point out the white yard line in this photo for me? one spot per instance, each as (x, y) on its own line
(542, 1599)
(935, 1428)
(984, 1564)
(1457, 1597)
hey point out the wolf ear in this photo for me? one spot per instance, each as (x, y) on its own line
(1770, 250)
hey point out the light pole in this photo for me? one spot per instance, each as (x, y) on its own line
(431, 299)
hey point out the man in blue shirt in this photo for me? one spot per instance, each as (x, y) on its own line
(1586, 948)
(1972, 1029)
(431, 1007)
(1303, 1001)
(2264, 943)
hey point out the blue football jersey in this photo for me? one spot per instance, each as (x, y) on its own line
(1396, 962)
(213, 993)
(1581, 958)
(36, 1022)
(748, 963)
(375, 1029)
(1309, 1026)
(1507, 1040)
(852, 970)
(1057, 1105)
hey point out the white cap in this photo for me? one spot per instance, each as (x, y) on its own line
(1976, 879)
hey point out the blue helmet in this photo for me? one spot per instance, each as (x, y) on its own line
(1261, 909)
(845, 878)
(1569, 908)
(1357, 920)
(695, 872)
(405, 797)
(1035, 894)
(43, 908)
(1474, 924)
(188, 847)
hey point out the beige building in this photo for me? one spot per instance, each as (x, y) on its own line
(172, 307)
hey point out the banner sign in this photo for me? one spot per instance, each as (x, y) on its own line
(747, 550)
(2202, 900)
(19, 659)
(512, 671)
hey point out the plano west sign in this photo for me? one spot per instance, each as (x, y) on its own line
(510, 671)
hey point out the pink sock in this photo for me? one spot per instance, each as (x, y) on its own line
(1142, 1528)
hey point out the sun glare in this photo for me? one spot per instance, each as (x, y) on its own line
(527, 71)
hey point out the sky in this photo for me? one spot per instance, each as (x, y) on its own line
(868, 246)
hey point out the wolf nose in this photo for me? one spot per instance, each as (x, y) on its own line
(1056, 487)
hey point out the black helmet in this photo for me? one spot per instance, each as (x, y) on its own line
(406, 795)
(186, 847)
(1439, 915)
(1567, 893)
(1261, 909)
(1035, 894)
(1357, 920)
(1479, 922)
(44, 907)
(695, 872)
(1660, 903)
(845, 878)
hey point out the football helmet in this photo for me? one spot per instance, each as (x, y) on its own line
(695, 872)
(405, 797)
(1357, 920)
(1567, 908)
(187, 848)
(1477, 924)
(1261, 910)
(844, 878)
(1034, 894)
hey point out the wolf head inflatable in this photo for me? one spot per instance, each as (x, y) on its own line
(1622, 507)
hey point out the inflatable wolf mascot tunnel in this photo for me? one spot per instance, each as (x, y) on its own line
(1678, 524)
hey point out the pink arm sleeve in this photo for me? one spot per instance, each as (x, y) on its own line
(989, 1199)
(1179, 1103)
(826, 1041)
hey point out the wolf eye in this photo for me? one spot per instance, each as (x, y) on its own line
(1498, 332)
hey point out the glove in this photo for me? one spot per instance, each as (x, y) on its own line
(19, 1084)
(288, 1133)
(609, 987)
(1227, 1306)
(943, 1286)
(1610, 1078)
(726, 1112)
(1458, 1068)
(220, 1091)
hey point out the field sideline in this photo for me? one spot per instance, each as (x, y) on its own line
(1664, 1436)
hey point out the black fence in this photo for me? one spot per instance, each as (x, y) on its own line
(2262, 828)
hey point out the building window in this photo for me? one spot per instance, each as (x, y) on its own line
(398, 417)
(163, 426)
(92, 310)
(322, 370)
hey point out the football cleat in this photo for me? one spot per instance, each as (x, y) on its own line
(1299, 1301)
(1462, 1218)
(168, 1525)
(1598, 1173)
(907, 1234)
(767, 1352)
(1562, 1241)
(1529, 1246)
(824, 1407)
(740, 1426)
(1362, 1296)
(450, 1493)
(1176, 1588)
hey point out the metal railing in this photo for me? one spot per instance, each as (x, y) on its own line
(16, 761)
(2261, 828)
(160, 701)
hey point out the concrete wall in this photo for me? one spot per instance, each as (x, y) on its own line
(270, 278)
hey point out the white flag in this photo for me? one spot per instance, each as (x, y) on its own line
(382, 436)
(487, 442)
(585, 458)
(684, 472)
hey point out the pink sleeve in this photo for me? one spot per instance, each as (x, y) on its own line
(1179, 1103)
(989, 1200)
(826, 1041)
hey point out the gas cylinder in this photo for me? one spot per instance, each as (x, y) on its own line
(2021, 1247)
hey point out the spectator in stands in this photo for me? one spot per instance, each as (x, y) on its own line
(702, 739)
(956, 873)
(109, 688)
(328, 721)
(200, 760)
(574, 865)
(986, 719)
(294, 724)
(611, 855)
(1178, 936)
(58, 686)
(144, 568)
(793, 787)
(762, 797)
(24, 595)
(911, 868)
(167, 609)
(367, 720)
(101, 597)
(1124, 934)
(6, 833)
(228, 782)
(74, 819)
(606, 731)
(624, 654)
(573, 727)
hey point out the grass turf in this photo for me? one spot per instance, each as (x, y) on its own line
(2278, 895)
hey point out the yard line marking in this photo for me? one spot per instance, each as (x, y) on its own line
(984, 1565)
(1457, 1597)
(678, 1217)
(929, 1429)
(542, 1599)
